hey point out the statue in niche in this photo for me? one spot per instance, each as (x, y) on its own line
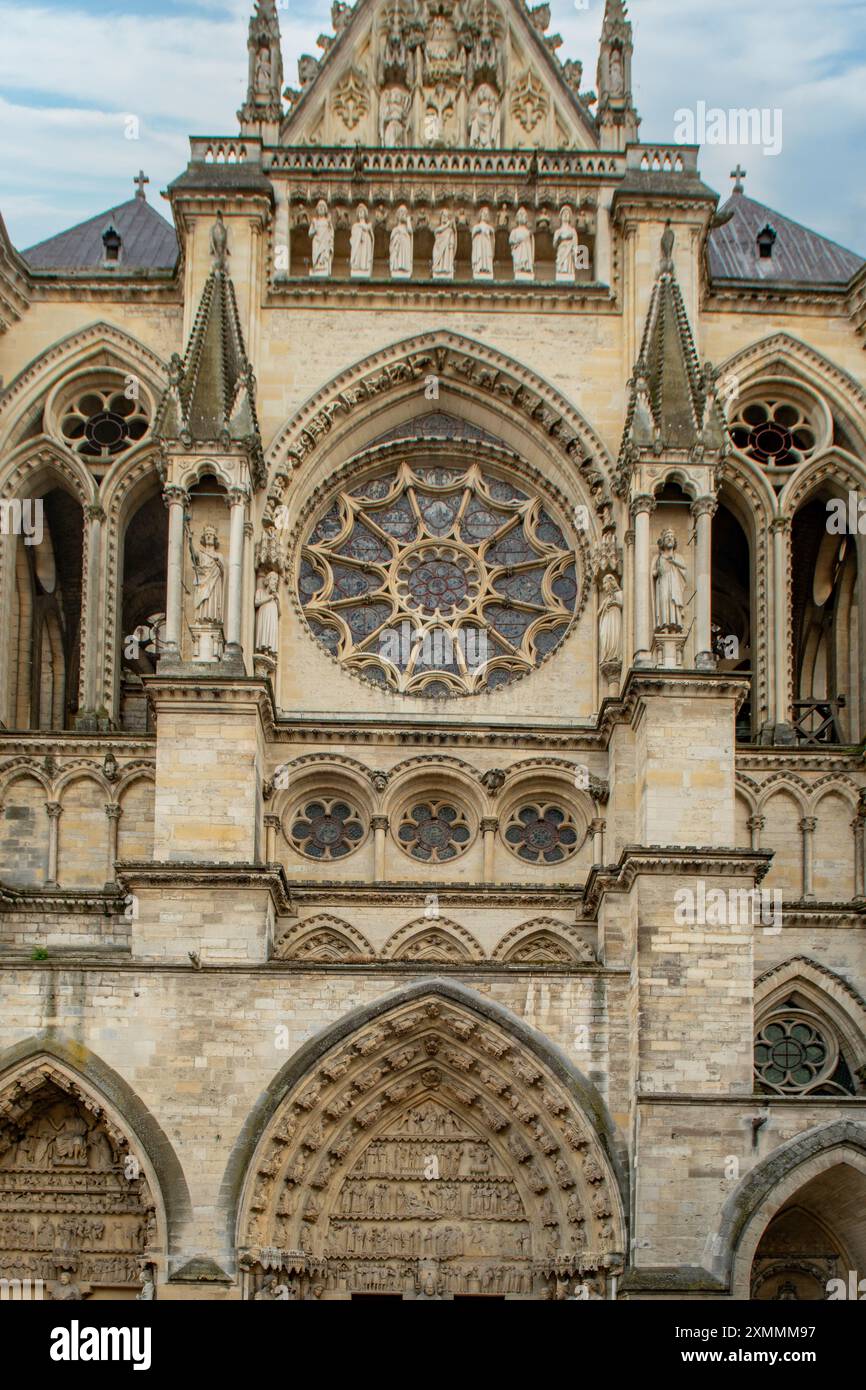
(522, 243)
(567, 247)
(401, 245)
(484, 120)
(610, 622)
(483, 243)
(209, 571)
(66, 1290)
(669, 580)
(444, 247)
(147, 1292)
(322, 237)
(617, 81)
(393, 118)
(361, 246)
(219, 249)
(263, 71)
(267, 601)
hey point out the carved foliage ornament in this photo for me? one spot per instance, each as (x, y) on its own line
(528, 101)
(351, 99)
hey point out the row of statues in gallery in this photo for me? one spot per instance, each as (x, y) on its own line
(570, 255)
(669, 581)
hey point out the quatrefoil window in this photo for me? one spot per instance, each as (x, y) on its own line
(439, 579)
(326, 828)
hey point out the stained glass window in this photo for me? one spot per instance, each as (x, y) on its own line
(439, 580)
(541, 833)
(326, 828)
(795, 1054)
(433, 831)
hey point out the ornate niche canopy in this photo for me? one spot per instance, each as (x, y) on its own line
(440, 570)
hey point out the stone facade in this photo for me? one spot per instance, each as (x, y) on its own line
(420, 874)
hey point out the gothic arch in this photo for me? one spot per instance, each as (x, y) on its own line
(833, 471)
(433, 1054)
(430, 941)
(770, 1184)
(325, 939)
(543, 941)
(827, 992)
(48, 1070)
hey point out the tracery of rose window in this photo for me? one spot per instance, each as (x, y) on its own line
(439, 580)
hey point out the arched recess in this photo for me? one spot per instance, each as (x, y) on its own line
(739, 603)
(821, 1172)
(137, 561)
(434, 1079)
(825, 994)
(65, 1114)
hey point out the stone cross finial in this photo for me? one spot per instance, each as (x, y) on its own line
(140, 181)
(738, 174)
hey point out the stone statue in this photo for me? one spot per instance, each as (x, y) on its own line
(484, 120)
(361, 246)
(393, 116)
(669, 579)
(566, 247)
(322, 237)
(428, 1287)
(483, 244)
(444, 247)
(66, 1290)
(616, 74)
(267, 603)
(522, 243)
(401, 245)
(209, 570)
(219, 243)
(610, 622)
(263, 71)
(148, 1291)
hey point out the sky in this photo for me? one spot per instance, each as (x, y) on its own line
(73, 71)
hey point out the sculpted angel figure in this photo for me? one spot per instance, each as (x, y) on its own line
(669, 579)
(393, 114)
(484, 122)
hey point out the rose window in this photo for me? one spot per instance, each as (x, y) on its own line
(102, 422)
(793, 1055)
(326, 828)
(433, 831)
(542, 833)
(439, 580)
(775, 432)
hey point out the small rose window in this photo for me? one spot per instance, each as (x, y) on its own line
(102, 422)
(793, 1055)
(433, 831)
(542, 833)
(326, 828)
(776, 433)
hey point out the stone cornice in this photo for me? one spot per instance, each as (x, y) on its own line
(414, 895)
(800, 759)
(103, 903)
(61, 743)
(590, 297)
(432, 733)
(191, 686)
(142, 873)
(669, 860)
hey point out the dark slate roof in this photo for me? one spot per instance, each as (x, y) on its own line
(798, 254)
(149, 242)
(246, 178)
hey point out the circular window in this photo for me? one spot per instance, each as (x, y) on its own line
(433, 831)
(541, 833)
(778, 429)
(326, 828)
(101, 421)
(439, 579)
(792, 1054)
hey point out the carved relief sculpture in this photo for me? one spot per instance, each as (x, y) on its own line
(351, 101)
(484, 120)
(444, 247)
(322, 238)
(669, 581)
(401, 245)
(361, 246)
(483, 244)
(393, 118)
(522, 243)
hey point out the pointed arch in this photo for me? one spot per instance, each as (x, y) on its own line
(50, 1059)
(325, 939)
(435, 1038)
(432, 940)
(770, 1184)
(828, 993)
(544, 941)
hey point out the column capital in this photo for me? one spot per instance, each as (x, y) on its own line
(94, 512)
(780, 524)
(704, 506)
(808, 823)
(641, 502)
(597, 824)
(114, 812)
(273, 822)
(54, 810)
(379, 822)
(757, 822)
(175, 495)
(489, 823)
(237, 495)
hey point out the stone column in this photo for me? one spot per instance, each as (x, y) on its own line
(113, 813)
(176, 499)
(597, 826)
(807, 825)
(756, 825)
(380, 829)
(272, 825)
(237, 500)
(858, 825)
(780, 528)
(641, 506)
(54, 810)
(703, 510)
(93, 654)
(489, 826)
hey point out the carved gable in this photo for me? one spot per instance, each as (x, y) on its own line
(440, 74)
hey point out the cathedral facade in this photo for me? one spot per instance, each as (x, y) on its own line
(432, 703)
